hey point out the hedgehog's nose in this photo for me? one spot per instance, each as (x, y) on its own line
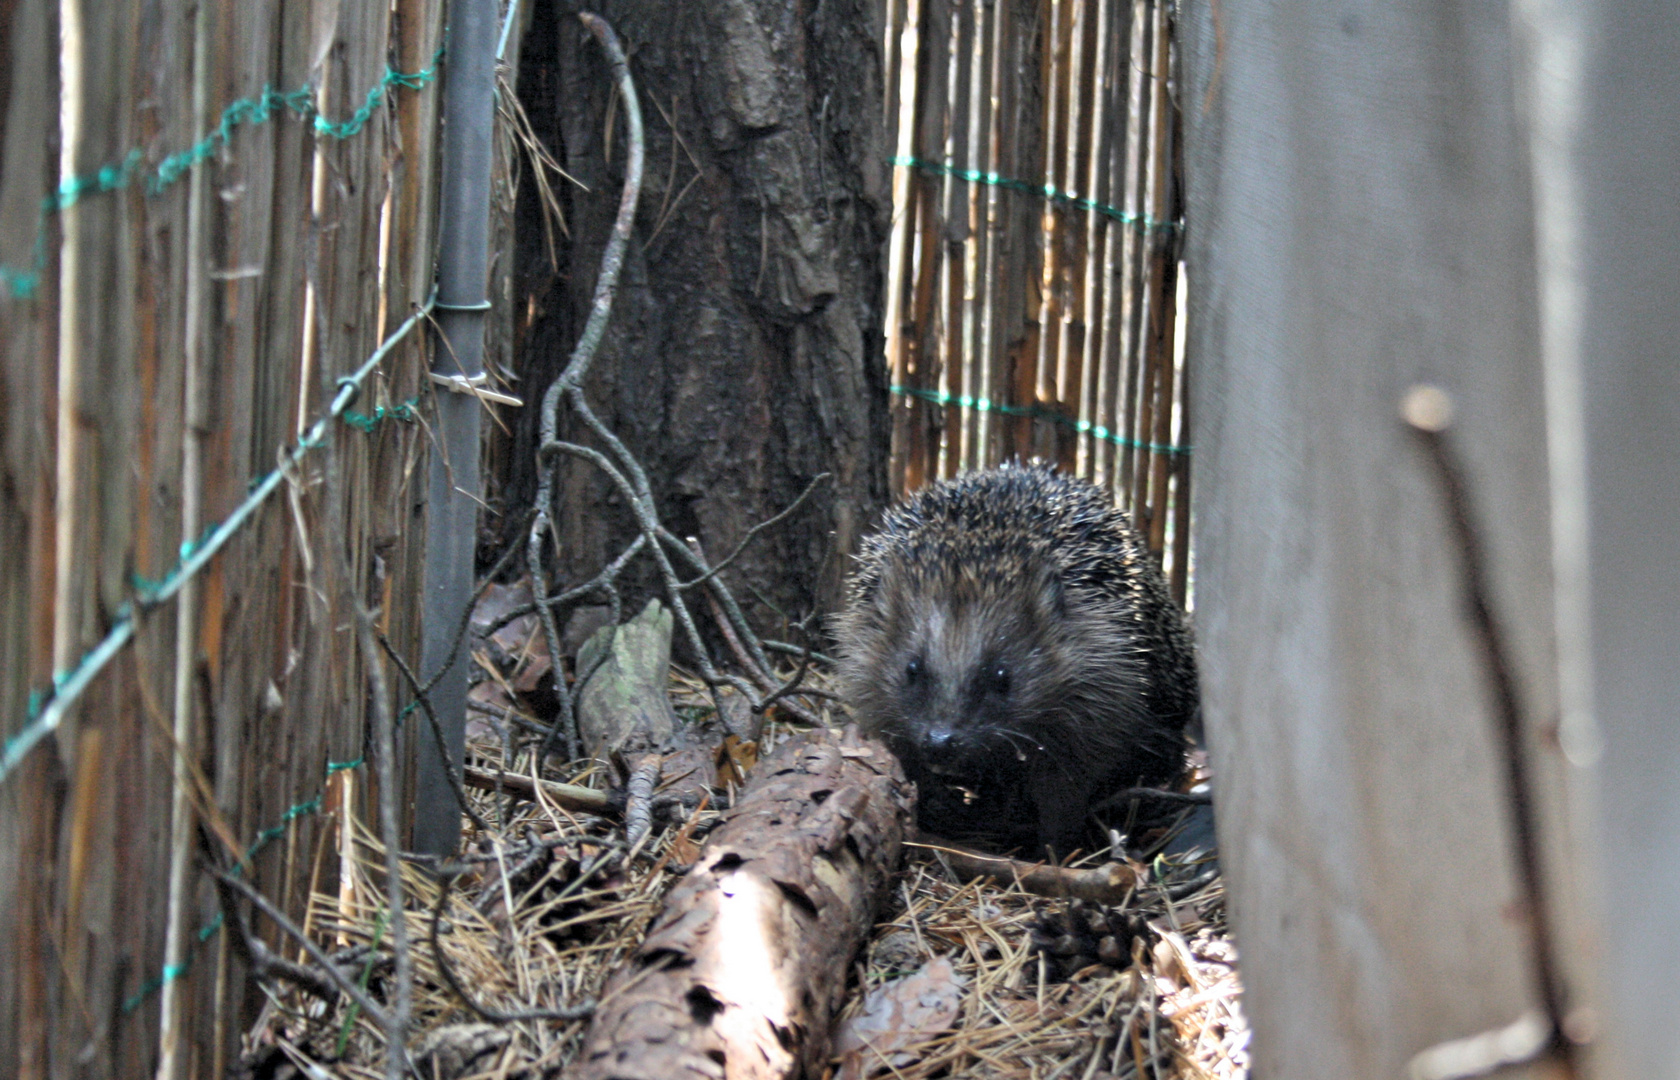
(937, 741)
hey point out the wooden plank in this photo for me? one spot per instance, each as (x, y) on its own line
(1020, 154)
(953, 222)
(977, 61)
(1046, 172)
(931, 120)
(1598, 90)
(1162, 289)
(1361, 222)
(904, 42)
(1108, 359)
(101, 412)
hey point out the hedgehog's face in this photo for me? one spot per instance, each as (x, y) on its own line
(962, 673)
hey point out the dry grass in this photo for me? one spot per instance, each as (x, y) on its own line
(1172, 1012)
(552, 902)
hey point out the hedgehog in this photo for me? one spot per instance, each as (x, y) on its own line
(1009, 636)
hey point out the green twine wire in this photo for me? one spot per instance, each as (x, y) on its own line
(148, 588)
(20, 283)
(1047, 191)
(200, 551)
(407, 412)
(1084, 427)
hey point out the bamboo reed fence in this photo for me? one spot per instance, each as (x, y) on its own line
(1033, 275)
(210, 214)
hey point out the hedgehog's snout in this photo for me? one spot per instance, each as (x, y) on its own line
(937, 744)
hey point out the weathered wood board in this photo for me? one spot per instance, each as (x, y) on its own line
(1359, 221)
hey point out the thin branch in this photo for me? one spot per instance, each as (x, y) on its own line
(716, 589)
(1157, 794)
(260, 959)
(798, 676)
(566, 724)
(612, 259)
(760, 527)
(316, 953)
(424, 700)
(627, 475)
(797, 650)
(649, 523)
(599, 583)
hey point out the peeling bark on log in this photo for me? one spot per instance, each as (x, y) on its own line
(741, 974)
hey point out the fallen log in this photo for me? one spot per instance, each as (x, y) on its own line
(740, 975)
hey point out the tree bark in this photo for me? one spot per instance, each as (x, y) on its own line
(744, 352)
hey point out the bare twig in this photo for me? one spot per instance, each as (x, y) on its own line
(649, 522)
(1197, 798)
(627, 475)
(316, 953)
(488, 897)
(565, 725)
(424, 701)
(570, 381)
(580, 799)
(668, 207)
(797, 650)
(757, 666)
(760, 527)
(798, 676)
(519, 851)
(262, 961)
(716, 589)
(600, 583)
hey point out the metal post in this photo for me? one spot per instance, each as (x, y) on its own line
(452, 511)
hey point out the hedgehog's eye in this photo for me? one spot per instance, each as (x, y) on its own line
(913, 670)
(998, 680)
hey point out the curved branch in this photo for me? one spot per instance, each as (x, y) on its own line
(760, 527)
(606, 287)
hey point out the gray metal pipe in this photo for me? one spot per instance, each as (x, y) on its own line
(452, 508)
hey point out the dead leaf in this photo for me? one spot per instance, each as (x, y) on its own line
(735, 759)
(898, 1014)
(497, 601)
(449, 1051)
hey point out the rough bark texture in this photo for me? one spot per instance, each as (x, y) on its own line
(744, 352)
(743, 970)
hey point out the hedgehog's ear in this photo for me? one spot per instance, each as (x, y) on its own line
(1050, 594)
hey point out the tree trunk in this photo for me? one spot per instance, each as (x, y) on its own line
(743, 357)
